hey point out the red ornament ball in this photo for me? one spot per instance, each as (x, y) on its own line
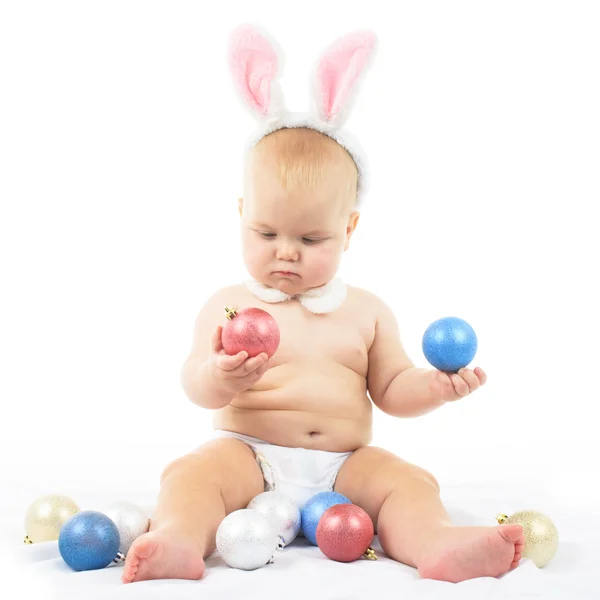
(345, 532)
(251, 329)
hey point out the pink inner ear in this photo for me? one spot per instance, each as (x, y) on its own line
(340, 67)
(253, 63)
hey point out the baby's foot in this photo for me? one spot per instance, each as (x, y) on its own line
(461, 553)
(159, 555)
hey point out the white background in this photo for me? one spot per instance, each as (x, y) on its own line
(121, 141)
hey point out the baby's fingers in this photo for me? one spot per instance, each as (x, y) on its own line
(460, 385)
(262, 370)
(470, 377)
(481, 375)
(255, 375)
(253, 363)
(230, 362)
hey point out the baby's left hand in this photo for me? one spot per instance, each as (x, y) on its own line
(453, 386)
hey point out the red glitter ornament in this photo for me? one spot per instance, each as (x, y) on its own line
(251, 329)
(345, 532)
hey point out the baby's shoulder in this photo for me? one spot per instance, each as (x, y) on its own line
(365, 300)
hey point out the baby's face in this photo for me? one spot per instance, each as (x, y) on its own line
(294, 241)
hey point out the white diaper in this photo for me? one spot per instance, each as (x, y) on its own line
(300, 473)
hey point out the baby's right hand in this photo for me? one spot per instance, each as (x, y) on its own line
(235, 373)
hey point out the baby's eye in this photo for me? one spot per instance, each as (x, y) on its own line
(311, 240)
(266, 234)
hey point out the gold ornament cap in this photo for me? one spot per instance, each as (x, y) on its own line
(230, 313)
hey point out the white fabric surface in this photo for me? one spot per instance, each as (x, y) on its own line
(302, 571)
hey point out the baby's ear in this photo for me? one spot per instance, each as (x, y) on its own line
(337, 75)
(254, 61)
(240, 205)
(350, 227)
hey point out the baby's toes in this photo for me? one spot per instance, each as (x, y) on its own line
(129, 571)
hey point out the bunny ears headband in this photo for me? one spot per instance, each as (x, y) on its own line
(254, 60)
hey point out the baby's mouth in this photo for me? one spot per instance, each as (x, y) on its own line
(286, 273)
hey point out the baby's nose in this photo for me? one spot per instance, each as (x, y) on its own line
(287, 251)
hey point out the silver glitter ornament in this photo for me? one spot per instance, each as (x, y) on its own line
(281, 512)
(246, 540)
(131, 521)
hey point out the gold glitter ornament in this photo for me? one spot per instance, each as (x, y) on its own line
(541, 535)
(46, 516)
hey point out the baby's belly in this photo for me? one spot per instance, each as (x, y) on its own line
(310, 405)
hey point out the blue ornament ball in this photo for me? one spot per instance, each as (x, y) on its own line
(313, 510)
(89, 540)
(449, 344)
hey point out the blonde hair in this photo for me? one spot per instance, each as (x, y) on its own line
(304, 157)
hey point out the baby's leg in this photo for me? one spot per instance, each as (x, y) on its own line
(414, 528)
(197, 492)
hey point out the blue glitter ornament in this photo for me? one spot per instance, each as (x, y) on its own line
(313, 510)
(449, 344)
(89, 540)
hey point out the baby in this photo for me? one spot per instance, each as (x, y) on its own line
(301, 421)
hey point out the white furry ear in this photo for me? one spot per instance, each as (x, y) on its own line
(254, 62)
(336, 76)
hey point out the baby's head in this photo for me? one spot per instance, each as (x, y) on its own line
(299, 209)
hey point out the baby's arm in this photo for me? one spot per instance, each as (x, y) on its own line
(395, 385)
(210, 377)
